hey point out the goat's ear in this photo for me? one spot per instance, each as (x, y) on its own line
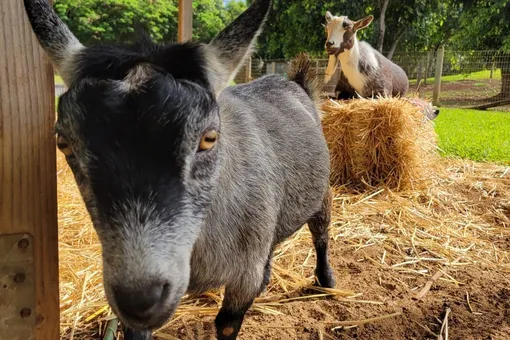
(228, 51)
(54, 36)
(329, 17)
(362, 23)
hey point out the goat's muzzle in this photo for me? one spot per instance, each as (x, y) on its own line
(147, 307)
(332, 50)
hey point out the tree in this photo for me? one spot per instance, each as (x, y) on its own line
(211, 16)
(116, 20)
(484, 25)
(382, 24)
(95, 21)
(295, 26)
(233, 9)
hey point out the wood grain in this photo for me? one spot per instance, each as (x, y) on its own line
(28, 201)
(185, 31)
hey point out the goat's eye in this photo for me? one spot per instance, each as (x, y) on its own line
(208, 140)
(63, 145)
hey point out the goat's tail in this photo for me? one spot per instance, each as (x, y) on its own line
(302, 72)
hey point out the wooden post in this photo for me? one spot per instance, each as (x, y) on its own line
(420, 72)
(427, 69)
(492, 69)
(438, 75)
(185, 20)
(29, 292)
(271, 68)
(247, 76)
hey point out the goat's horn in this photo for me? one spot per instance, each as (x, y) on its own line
(54, 36)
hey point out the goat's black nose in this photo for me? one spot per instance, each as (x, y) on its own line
(330, 43)
(142, 304)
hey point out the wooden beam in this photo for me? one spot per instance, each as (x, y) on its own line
(185, 20)
(28, 197)
(491, 105)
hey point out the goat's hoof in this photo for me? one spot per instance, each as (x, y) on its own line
(325, 279)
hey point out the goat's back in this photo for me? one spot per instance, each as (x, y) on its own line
(277, 132)
(389, 79)
(399, 80)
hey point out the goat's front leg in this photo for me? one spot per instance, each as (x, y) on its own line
(238, 299)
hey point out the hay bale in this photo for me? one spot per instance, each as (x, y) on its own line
(384, 142)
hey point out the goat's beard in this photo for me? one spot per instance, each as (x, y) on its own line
(331, 69)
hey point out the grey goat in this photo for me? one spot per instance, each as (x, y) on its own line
(190, 184)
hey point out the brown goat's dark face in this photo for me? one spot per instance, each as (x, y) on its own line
(144, 153)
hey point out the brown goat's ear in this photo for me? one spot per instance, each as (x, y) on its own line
(329, 17)
(362, 23)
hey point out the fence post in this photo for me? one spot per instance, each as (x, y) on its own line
(420, 72)
(271, 68)
(427, 68)
(29, 292)
(492, 69)
(247, 76)
(438, 75)
(185, 29)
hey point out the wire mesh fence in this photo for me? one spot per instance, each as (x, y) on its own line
(469, 78)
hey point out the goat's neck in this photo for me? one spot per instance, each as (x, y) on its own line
(349, 61)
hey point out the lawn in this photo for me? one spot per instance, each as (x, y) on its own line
(58, 79)
(476, 135)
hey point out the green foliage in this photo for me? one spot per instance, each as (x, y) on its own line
(475, 135)
(295, 26)
(484, 24)
(207, 19)
(428, 24)
(118, 20)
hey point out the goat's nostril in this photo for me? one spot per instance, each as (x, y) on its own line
(330, 43)
(142, 303)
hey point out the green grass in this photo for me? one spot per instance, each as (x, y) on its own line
(58, 79)
(481, 75)
(475, 135)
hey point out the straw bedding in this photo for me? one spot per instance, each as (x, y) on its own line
(407, 231)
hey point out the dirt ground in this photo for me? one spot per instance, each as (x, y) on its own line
(384, 249)
(464, 93)
(477, 293)
(486, 316)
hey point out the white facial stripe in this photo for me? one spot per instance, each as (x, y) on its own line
(336, 30)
